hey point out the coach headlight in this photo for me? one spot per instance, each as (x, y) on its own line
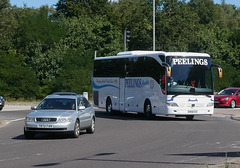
(29, 119)
(172, 104)
(210, 104)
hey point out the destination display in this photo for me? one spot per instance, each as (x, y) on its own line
(189, 61)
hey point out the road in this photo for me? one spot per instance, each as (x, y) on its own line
(124, 140)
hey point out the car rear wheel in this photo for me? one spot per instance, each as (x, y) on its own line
(76, 131)
(91, 129)
(233, 104)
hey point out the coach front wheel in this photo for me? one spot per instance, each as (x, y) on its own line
(189, 117)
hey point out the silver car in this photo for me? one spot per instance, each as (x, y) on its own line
(61, 112)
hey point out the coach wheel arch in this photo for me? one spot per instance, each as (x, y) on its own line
(108, 105)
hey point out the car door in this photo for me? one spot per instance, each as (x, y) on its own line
(82, 113)
(238, 98)
(88, 111)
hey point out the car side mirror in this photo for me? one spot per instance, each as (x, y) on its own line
(33, 107)
(81, 108)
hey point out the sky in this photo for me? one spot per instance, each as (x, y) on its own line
(39, 3)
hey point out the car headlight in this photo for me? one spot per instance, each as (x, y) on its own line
(226, 98)
(62, 120)
(210, 104)
(172, 104)
(29, 119)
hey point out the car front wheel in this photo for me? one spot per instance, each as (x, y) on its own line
(76, 131)
(28, 135)
(233, 104)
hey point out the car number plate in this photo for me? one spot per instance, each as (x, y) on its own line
(216, 101)
(45, 126)
(192, 111)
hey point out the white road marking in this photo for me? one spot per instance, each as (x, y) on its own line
(18, 119)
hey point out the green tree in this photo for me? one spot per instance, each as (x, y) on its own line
(70, 8)
(176, 27)
(8, 25)
(99, 36)
(38, 26)
(4, 4)
(17, 80)
(205, 9)
(75, 75)
(37, 38)
(136, 16)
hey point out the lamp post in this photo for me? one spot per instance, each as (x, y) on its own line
(153, 25)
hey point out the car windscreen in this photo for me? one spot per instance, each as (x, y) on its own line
(227, 92)
(57, 103)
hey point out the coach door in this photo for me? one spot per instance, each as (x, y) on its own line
(122, 94)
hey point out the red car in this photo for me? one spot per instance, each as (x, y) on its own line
(229, 97)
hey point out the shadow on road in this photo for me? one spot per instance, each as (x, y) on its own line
(47, 136)
(107, 157)
(212, 154)
(136, 116)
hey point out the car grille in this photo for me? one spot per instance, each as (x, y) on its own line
(46, 119)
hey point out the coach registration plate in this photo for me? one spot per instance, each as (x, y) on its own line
(192, 111)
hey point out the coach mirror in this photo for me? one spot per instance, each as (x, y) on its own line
(168, 69)
(219, 70)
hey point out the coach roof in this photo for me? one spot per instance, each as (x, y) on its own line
(152, 53)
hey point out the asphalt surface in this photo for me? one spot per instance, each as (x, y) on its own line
(218, 112)
(118, 142)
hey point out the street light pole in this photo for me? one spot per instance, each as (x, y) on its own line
(153, 25)
(124, 39)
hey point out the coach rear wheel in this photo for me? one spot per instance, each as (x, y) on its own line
(109, 106)
(148, 110)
